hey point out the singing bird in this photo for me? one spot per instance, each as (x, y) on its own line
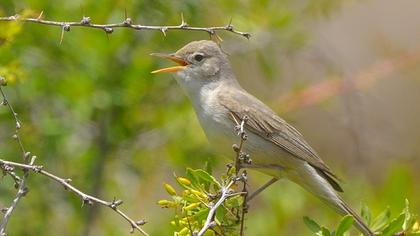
(276, 147)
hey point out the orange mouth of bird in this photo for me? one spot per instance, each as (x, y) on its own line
(181, 62)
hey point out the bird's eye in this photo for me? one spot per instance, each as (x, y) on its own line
(198, 57)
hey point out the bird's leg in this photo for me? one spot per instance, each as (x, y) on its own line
(262, 188)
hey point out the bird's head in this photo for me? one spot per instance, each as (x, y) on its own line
(199, 60)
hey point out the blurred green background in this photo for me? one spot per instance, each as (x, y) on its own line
(91, 110)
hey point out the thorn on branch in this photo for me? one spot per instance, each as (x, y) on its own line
(108, 30)
(244, 176)
(85, 20)
(66, 27)
(183, 22)
(212, 224)
(15, 17)
(24, 191)
(163, 30)
(38, 168)
(236, 148)
(141, 222)
(229, 165)
(115, 203)
(61, 36)
(229, 27)
(67, 181)
(40, 15)
(33, 158)
(4, 210)
(230, 22)
(86, 201)
(3, 81)
(211, 32)
(125, 13)
(7, 168)
(128, 21)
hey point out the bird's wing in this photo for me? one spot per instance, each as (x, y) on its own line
(267, 124)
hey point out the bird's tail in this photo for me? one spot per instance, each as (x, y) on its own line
(315, 183)
(341, 207)
(346, 210)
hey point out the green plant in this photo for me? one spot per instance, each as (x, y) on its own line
(200, 194)
(406, 223)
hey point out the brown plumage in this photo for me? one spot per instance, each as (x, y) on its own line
(265, 123)
(276, 147)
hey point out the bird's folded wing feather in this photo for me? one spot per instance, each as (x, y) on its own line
(265, 123)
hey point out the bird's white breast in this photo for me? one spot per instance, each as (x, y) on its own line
(213, 116)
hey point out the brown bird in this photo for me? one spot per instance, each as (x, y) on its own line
(277, 148)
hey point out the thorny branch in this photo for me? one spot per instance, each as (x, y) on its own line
(87, 199)
(8, 168)
(241, 157)
(127, 23)
(226, 191)
(20, 183)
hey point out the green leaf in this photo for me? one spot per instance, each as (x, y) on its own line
(201, 215)
(191, 176)
(366, 214)
(344, 225)
(200, 176)
(205, 176)
(221, 214)
(325, 232)
(381, 220)
(407, 219)
(311, 224)
(394, 226)
(208, 167)
(235, 201)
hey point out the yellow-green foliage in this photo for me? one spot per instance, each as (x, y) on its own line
(405, 224)
(199, 191)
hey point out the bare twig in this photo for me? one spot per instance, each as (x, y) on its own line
(241, 157)
(28, 165)
(22, 190)
(244, 204)
(127, 23)
(17, 123)
(87, 199)
(21, 182)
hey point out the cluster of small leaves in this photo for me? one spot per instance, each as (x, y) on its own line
(406, 223)
(199, 192)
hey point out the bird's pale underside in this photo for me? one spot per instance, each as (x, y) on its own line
(276, 147)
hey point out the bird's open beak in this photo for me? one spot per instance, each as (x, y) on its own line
(182, 63)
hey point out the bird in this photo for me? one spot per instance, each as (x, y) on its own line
(277, 148)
